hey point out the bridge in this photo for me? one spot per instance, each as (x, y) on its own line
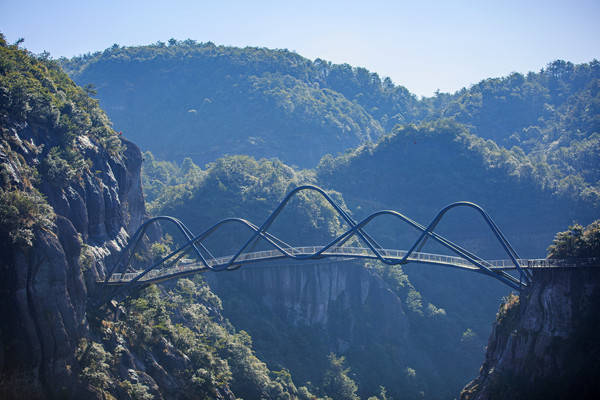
(189, 267)
(194, 257)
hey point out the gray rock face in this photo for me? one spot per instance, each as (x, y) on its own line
(318, 295)
(47, 287)
(44, 290)
(546, 346)
(297, 314)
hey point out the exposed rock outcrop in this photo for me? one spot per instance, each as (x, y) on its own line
(45, 286)
(545, 344)
(325, 295)
(351, 310)
(51, 348)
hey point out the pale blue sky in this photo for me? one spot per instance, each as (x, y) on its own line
(423, 45)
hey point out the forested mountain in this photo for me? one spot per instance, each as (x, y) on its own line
(422, 168)
(553, 116)
(198, 100)
(561, 99)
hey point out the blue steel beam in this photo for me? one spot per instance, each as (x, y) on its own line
(355, 230)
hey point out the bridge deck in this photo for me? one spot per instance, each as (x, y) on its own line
(184, 268)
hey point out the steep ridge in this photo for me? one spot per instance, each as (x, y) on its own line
(544, 342)
(60, 220)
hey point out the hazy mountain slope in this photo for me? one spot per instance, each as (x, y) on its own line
(504, 109)
(204, 101)
(553, 115)
(420, 169)
(200, 100)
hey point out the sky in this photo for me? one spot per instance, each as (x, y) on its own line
(423, 45)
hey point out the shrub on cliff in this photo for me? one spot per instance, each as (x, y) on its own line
(21, 212)
(577, 242)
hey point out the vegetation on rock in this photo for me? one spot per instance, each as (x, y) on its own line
(577, 242)
(181, 328)
(38, 98)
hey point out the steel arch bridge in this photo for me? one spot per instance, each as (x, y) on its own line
(513, 272)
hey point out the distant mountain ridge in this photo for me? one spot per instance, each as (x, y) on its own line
(553, 116)
(204, 101)
(199, 100)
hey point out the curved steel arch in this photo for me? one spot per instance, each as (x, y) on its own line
(356, 230)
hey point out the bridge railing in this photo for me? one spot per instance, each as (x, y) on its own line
(345, 251)
(188, 265)
(192, 265)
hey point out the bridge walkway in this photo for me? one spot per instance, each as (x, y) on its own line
(187, 267)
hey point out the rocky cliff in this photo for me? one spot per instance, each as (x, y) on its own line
(70, 195)
(70, 192)
(372, 315)
(45, 285)
(544, 344)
